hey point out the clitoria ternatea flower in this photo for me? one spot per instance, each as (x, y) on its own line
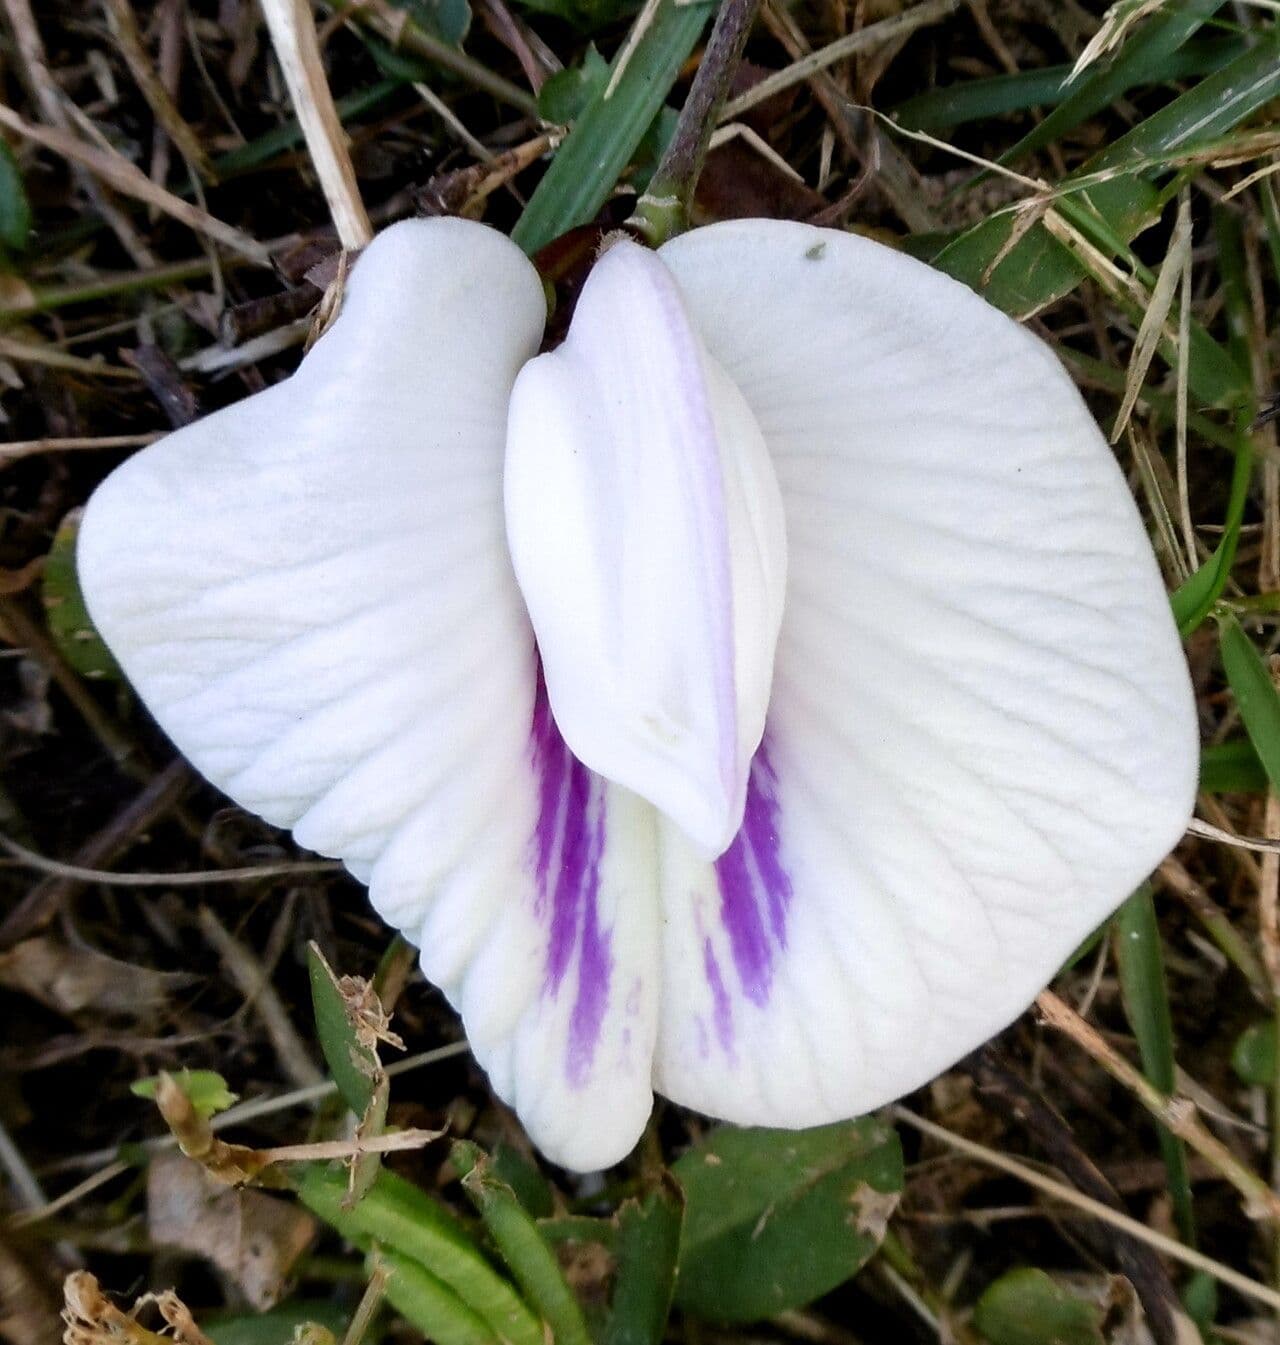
(807, 698)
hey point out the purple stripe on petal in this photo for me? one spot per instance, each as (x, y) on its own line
(722, 1008)
(595, 965)
(754, 886)
(568, 843)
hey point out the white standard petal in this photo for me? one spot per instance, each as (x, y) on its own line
(647, 533)
(311, 590)
(982, 734)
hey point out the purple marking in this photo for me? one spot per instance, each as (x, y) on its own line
(723, 1008)
(753, 885)
(568, 843)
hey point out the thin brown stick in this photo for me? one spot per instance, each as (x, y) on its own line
(124, 28)
(1176, 1113)
(29, 859)
(1059, 1191)
(26, 352)
(30, 448)
(253, 982)
(161, 793)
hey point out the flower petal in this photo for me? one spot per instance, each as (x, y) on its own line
(312, 592)
(646, 531)
(577, 954)
(982, 735)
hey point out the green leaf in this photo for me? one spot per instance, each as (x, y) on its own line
(354, 1067)
(609, 130)
(566, 95)
(1146, 1002)
(647, 1249)
(1255, 694)
(449, 20)
(524, 1249)
(1253, 1057)
(65, 613)
(774, 1218)
(207, 1092)
(1231, 768)
(1027, 1307)
(405, 1220)
(15, 209)
(277, 1326)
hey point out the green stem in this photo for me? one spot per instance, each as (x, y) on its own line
(664, 210)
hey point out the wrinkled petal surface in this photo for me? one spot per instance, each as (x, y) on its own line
(647, 533)
(982, 734)
(311, 591)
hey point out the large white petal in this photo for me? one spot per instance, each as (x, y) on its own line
(647, 533)
(982, 734)
(311, 591)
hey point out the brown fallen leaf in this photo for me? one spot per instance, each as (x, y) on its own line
(253, 1238)
(73, 979)
(741, 182)
(93, 1319)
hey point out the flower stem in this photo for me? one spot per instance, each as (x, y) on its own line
(663, 211)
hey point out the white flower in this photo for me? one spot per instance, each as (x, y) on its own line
(862, 701)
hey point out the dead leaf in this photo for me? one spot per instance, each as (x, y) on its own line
(93, 1319)
(73, 979)
(251, 1237)
(740, 182)
(872, 1209)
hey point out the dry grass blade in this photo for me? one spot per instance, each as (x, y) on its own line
(116, 171)
(1153, 319)
(1116, 23)
(124, 28)
(1177, 1114)
(30, 448)
(1259, 845)
(865, 39)
(980, 1153)
(297, 48)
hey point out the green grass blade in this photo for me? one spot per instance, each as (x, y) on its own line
(1229, 241)
(1144, 59)
(1146, 1002)
(400, 1218)
(428, 1304)
(1231, 768)
(15, 209)
(978, 99)
(1194, 598)
(1255, 694)
(1040, 269)
(603, 140)
(524, 1249)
